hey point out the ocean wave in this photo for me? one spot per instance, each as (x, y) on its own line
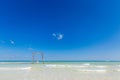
(118, 70)
(86, 64)
(74, 66)
(118, 65)
(55, 66)
(65, 66)
(19, 68)
(100, 66)
(88, 70)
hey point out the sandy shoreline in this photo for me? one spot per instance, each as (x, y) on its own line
(60, 71)
(56, 74)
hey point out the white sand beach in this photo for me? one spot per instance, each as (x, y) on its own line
(60, 72)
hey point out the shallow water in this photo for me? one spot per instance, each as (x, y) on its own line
(60, 71)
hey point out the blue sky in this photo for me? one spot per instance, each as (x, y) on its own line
(62, 29)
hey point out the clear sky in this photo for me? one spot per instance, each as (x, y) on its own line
(62, 29)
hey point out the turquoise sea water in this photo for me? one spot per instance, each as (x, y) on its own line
(61, 62)
(110, 66)
(66, 64)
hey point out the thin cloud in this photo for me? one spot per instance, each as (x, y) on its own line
(54, 34)
(12, 42)
(58, 36)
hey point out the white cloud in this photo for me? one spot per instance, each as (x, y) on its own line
(58, 36)
(54, 34)
(12, 42)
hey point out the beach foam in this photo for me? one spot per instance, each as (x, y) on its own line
(65, 66)
(86, 64)
(100, 66)
(19, 68)
(55, 66)
(118, 70)
(88, 70)
(73, 66)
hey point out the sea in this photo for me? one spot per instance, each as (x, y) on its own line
(59, 70)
